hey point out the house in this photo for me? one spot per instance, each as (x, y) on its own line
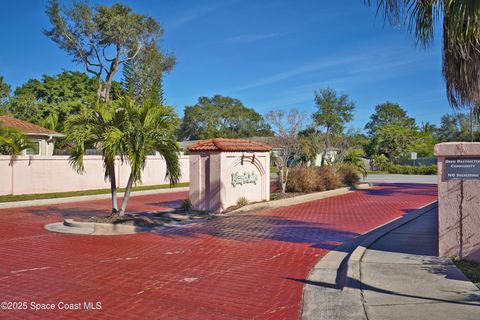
(41, 139)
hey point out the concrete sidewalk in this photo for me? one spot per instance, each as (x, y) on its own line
(401, 178)
(397, 276)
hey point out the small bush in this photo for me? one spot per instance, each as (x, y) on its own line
(348, 174)
(329, 177)
(186, 205)
(304, 179)
(242, 201)
(313, 179)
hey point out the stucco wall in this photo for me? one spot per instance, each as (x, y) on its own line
(44, 174)
(257, 163)
(458, 205)
(211, 185)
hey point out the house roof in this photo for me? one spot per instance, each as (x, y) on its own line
(27, 127)
(221, 144)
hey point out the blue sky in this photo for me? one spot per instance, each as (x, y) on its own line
(270, 54)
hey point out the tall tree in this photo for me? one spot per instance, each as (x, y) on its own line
(394, 141)
(393, 133)
(456, 127)
(460, 23)
(312, 142)
(101, 38)
(50, 100)
(286, 141)
(129, 131)
(143, 130)
(333, 113)
(4, 91)
(96, 127)
(221, 116)
(389, 113)
(142, 76)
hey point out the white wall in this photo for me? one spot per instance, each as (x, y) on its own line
(44, 174)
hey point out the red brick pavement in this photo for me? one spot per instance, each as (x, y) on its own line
(237, 267)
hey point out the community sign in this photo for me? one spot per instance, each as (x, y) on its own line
(462, 168)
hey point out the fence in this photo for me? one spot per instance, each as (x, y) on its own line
(425, 161)
(45, 174)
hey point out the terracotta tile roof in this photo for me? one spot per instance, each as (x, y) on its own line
(221, 144)
(25, 127)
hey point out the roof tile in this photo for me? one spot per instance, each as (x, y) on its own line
(24, 126)
(221, 144)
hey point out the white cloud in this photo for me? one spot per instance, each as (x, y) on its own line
(368, 64)
(194, 13)
(254, 37)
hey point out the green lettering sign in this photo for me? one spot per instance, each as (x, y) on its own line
(244, 178)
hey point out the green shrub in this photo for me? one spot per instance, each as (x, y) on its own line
(304, 179)
(186, 205)
(348, 174)
(422, 170)
(380, 162)
(242, 201)
(354, 157)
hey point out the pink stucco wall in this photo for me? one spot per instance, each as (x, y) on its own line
(42, 174)
(211, 178)
(458, 205)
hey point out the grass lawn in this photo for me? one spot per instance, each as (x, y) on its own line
(24, 197)
(470, 269)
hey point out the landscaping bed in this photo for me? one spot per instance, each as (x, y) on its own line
(129, 223)
(152, 219)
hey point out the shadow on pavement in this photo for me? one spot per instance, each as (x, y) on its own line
(355, 284)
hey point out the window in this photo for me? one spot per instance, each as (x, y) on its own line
(33, 149)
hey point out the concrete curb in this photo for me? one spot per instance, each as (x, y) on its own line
(41, 202)
(332, 288)
(293, 200)
(382, 230)
(91, 228)
(354, 274)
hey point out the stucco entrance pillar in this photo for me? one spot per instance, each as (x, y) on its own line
(224, 170)
(459, 199)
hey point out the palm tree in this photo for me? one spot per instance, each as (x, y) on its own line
(461, 39)
(91, 128)
(354, 157)
(141, 131)
(12, 141)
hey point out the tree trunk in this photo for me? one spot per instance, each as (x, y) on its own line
(471, 124)
(113, 188)
(128, 189)
(99, 89)
(283, 179)
(327, 146)
(110, 74)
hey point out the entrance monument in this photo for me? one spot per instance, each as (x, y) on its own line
(459, 199)
(222, 171)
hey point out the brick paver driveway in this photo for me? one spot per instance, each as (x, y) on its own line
(236, 267)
